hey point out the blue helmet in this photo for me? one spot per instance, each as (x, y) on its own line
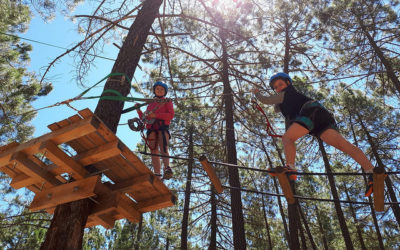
(280, 75)
(158, 83)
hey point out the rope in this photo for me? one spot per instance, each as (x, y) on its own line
(308, 198)
(268, 171)
(167, 156)
(269, 129)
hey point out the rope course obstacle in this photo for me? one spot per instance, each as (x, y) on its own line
(132, 190)
(285, 182)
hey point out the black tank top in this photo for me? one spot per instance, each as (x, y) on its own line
(292, 103)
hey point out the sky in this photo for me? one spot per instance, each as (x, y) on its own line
(62, 32)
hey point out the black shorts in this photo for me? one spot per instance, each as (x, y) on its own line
(314, 117)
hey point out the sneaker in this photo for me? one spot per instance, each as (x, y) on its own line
(168, 173)
(292, 173)
(370, 186)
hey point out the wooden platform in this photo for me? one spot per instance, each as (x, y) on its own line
(41, 163)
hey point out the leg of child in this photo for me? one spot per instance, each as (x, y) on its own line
(153, 145)
(164, 150)
(335, 139)
(294, 132)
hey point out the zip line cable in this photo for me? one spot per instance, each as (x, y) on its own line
(307, 198)
(52, 45)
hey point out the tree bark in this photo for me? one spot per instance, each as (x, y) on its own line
(266, 223)
(305, 223)
(239, 237)
(285, 226)
(302, 237)
(213, 221)
(390, 72)
(69, 220)
(321, 228)
(353, 214)
(185, 217)
(139, 233)
(339, 212)
(294, 222)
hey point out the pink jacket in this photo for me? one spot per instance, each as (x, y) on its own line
(164, 111)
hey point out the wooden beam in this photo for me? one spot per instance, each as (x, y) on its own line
(28, 167)
(65, 193)
(211, 174)
(98, 154)
(379, 189)
(126, 207)
(134, 161)
(22, 180)
(106, 221)
(9, 170)
(8, 146)
(62, 160)
(152, 204)
(134, 184)
(285, 185)
(65, 134)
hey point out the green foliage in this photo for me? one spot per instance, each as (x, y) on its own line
(18, 87)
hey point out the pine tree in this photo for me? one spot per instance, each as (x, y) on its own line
(18, 87)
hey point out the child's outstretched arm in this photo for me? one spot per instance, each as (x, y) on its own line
(272, 99)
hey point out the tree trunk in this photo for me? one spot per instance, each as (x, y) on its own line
(294, 222)
(388, 182)
(339, 212)
(302, 237)
(285, 226)
(266, 223)
(239, 237)
(213, 221)
(305, 223)
(185, 218)
(390, 72)
(321, 229)
(139, 233)
(354, 215)
(380, 164)
(69, 220)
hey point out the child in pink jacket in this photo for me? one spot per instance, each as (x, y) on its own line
(158, 117)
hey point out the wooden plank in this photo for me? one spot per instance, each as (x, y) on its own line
(156, 203)
(379, 189)
(30, 168)
(126, 207)
(106, 133)
(91, 222)
(109, 201)
(61, 159)
(62, 135)
(106, 200)
(131, 185)
(9, 146)
(85, 113)
(54, 126)
(100, 153)
(10, 170)
(285, 185)
(65, 193)
(134, 161)
(106, 221)
(22, 180)
(211, 174)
